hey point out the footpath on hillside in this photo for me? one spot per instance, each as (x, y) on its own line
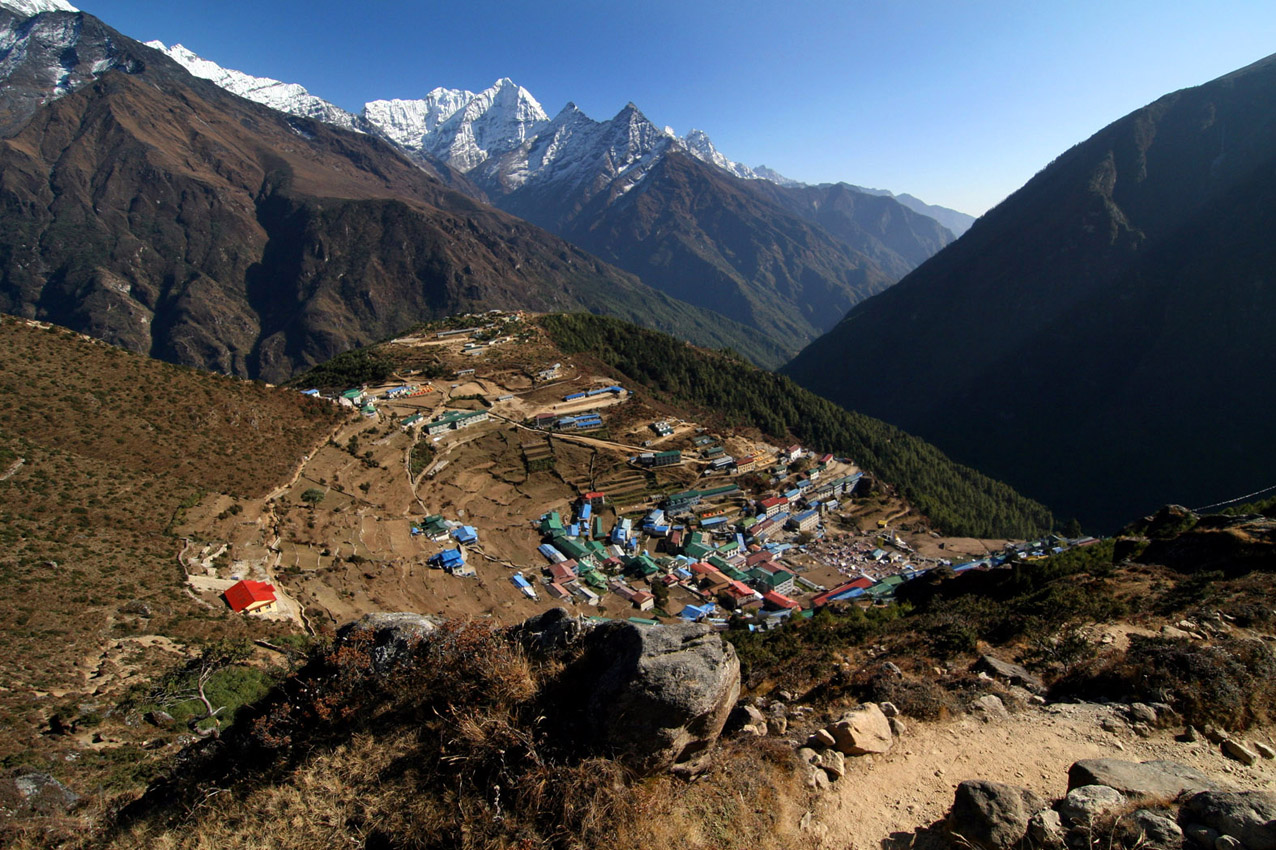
(893, 800)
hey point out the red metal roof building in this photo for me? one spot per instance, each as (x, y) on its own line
(248, 595)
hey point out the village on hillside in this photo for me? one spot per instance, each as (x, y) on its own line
(491, 476)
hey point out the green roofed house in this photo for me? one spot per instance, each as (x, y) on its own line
(642, 565)
(571, 548)
(552, 524)
(455, 420)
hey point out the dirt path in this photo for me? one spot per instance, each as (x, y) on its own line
(887, 801)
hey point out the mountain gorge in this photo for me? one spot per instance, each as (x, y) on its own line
(1097, 339)
(159, 212)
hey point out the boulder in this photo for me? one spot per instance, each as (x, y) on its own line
(1227, 842)
(1248, 816)
(1201, 835)
(862, 730)
(1087, 803)
(889, 709)
(833, 763)
(1264, 750)
(1012, 673)
(393, 635)
(1239, 752)
(990, 707)
(1153, 830)
(550, 632)
(898, 728)
(1045, 829)
(658, 696)
(1142, 713)
(1150, 778)
(991, 815)
(39, 793)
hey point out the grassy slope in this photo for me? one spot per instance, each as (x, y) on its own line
(956, 498)
(112, 445)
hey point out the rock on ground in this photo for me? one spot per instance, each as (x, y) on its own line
(862, 730)
(1086, 804)
(1012, 673)
(992, 815)
(660, 695)
(1249, 816)
(393, 635)
(1150, 778)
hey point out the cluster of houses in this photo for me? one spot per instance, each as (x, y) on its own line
(440, 530)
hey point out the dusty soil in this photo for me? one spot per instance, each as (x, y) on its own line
(893, 801)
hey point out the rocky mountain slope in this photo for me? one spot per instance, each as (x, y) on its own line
(159, 212)
(1093, 339)
(744, 246)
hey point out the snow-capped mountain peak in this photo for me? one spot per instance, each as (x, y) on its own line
(698, 144)
(285, 97)
(494, 121)
(27, 8)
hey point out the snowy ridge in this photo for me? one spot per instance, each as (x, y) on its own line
(27, 8)
(285, 97)
(407, 123)
(697, 144)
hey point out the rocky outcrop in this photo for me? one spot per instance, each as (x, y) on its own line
(393, 636)
(1012, 673)
(992, 815)
(38, 793)
(1248, 816)
(658, 696)
(1162, 779)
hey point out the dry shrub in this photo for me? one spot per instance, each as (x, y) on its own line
(919, 697)
(1231, 683)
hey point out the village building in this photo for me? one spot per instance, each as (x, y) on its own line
(455, 420)
(252, 597)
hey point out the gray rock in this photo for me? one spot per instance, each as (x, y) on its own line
(1238, 751)
(161, 718)
(1214, 735)
(550, 632)
(1264, 750)
(1227, 842)
(1190, 735)
(661, 694)
(833, 763)
(889, 709)
(1201, 835)
(1150, 778)
(1087, 803)
(1012, 673)
(1249, 816)
(1156, 831)
(816, 778)
(1142, 713)
(892, 668)
(898, 728)
(808, 755)
(991, 815)
(990, 707)
(37, 792)
(863, 729)
(393, 636)
(777, 718)
(1045, 829)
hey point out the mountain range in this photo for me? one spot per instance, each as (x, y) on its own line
(1102, 340)
(756, 248)
(157, 211)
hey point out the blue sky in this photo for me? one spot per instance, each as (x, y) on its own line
(956, 101)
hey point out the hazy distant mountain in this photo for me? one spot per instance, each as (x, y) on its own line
(156, 210)
(957, 222)
(1104, 338)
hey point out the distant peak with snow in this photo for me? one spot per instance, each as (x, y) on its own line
(36, 7)
(285, 97)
